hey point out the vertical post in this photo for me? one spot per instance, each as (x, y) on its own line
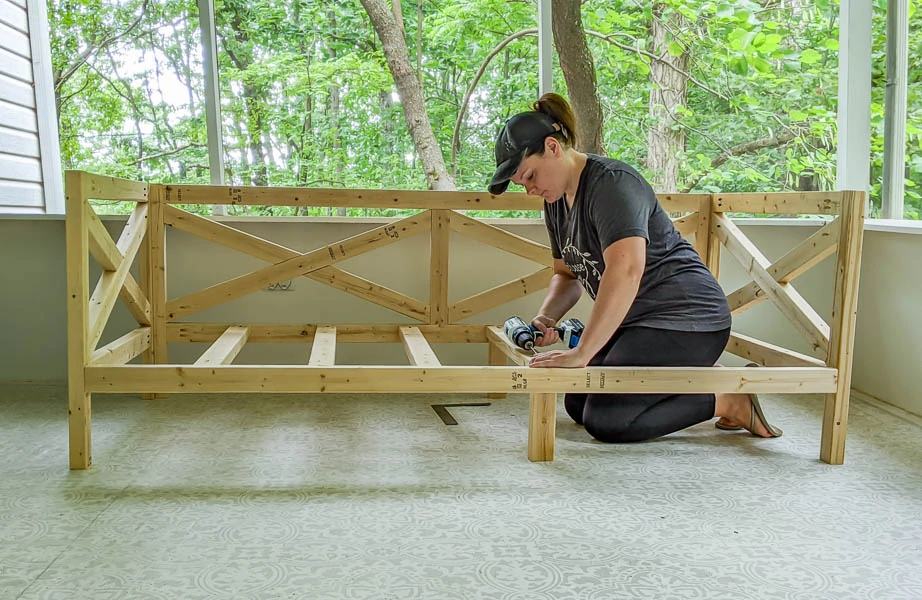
(153, 278)
(497, 359)
(439, 236)
(842, 332)
(542, 426)
(703, 227)
(712, 259)
(545, 48)
(895, 109)
(853, 151)
(78, 324)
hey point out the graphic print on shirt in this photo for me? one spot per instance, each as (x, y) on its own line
(582, 265)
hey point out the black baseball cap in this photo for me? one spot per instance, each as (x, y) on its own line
(520, 133)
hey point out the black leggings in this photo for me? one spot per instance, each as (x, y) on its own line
(638, 417)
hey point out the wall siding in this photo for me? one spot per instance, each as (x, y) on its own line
(29, 155)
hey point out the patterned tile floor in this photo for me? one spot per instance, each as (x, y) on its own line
(287, 496)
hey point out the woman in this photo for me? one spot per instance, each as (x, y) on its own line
(655, 302)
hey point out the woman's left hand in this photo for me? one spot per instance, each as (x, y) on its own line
(559, 358)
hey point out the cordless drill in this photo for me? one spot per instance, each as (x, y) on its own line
(525, 336)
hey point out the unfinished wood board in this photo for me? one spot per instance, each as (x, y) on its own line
(418, 350)
(844, 314)
(323, 350)
(348, 333)
(225, 349)
(458, 379)
(295, 266)
(788, 301)
(123, 349)
(78, 322)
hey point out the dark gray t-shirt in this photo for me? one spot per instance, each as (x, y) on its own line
(613, 201)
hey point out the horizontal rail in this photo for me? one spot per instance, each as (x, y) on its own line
(784, 203)
(103, 187)
(347, 333)
(455, 379)
(342, 197)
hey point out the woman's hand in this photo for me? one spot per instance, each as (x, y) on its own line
(572, 359)
(548, 335)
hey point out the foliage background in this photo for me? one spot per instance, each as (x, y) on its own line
(308, 99)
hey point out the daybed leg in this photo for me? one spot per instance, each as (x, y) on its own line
(542, 427)
(154, 277)
(78, 294)
(497, 359)
(842, 332)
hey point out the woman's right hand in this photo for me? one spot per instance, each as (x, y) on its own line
(549, 335)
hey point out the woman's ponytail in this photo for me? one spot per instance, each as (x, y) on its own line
(556, 107)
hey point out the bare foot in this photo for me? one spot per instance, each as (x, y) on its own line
(738, 409)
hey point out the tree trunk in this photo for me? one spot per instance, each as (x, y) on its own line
(411, 95)
(666, 142)
(579, 72)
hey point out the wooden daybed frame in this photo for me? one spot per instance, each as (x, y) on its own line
(826, 370)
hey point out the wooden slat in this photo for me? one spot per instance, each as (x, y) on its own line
(108, 256)
(788, 301)
(440, 232)
(19, 143)
(418, 350)
(679, 203)
(787, 203)
(501, 294)
(686, 225)
(767, 354)
(347, 333)
(323, 350)
(20, 168)
(78, 347)
(123, 349)
(368, 290)
(338, 197)
(110, 283)
(499, 238)
(498, 340)
(703, 230)
(102, 187)
(300, 264)
(225, 349)
(542, 426)
(844, 314)
(152, 271)
(799, 260)
(496, 358)
(714, 246)
(17, 92)
(457, 379)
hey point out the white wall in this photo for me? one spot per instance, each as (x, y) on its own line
(33, 320)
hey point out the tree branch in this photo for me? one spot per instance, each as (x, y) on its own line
(166, 153)
(744, 148)
(470, 89)
(89, 52)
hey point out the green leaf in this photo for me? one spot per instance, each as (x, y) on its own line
(810, 56)
(797, 115)
(769, 43)
(675, 48)
(739, 65)
(832, 44)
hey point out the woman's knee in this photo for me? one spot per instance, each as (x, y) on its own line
(608, 424)
(574, 405)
